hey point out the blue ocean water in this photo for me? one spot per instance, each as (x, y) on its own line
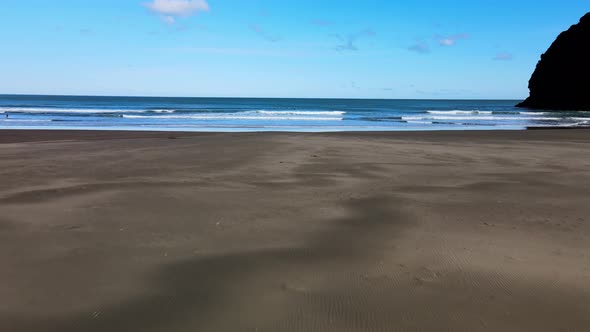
(254, 114)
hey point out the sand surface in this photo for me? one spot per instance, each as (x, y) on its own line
(456, 231)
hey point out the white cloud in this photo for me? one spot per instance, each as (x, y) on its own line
(447, 42)
(451, 40)
(172, 9)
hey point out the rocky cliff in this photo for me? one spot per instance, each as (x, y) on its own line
(561, 80)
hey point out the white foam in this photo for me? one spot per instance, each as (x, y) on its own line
(532, 113)
(560, 125)
(67, 110)
(232, 117)
(419, 122)
(327, 113)
(458, 112)
(24, 120)
(492, 118)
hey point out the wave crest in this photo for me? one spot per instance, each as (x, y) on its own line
(458, 112)
(232, 117)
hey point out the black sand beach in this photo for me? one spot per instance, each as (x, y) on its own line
(421, 231)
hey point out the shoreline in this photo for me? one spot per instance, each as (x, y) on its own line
(30, 135)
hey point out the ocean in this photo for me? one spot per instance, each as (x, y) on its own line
(262, 114)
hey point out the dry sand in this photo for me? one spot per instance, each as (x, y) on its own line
(456, 231)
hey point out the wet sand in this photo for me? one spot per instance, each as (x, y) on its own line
(435, 231)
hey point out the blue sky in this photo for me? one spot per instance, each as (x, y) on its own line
(321, 48)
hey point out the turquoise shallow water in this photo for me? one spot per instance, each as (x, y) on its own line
(256, 114)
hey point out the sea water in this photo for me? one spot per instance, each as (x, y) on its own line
(264, 114)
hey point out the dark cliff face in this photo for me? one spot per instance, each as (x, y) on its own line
(562, 78)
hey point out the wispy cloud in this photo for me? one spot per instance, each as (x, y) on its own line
(503, 57)
(450, 40)
(421, 47)
(348, 43)
(171, 10)
(264, 34)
